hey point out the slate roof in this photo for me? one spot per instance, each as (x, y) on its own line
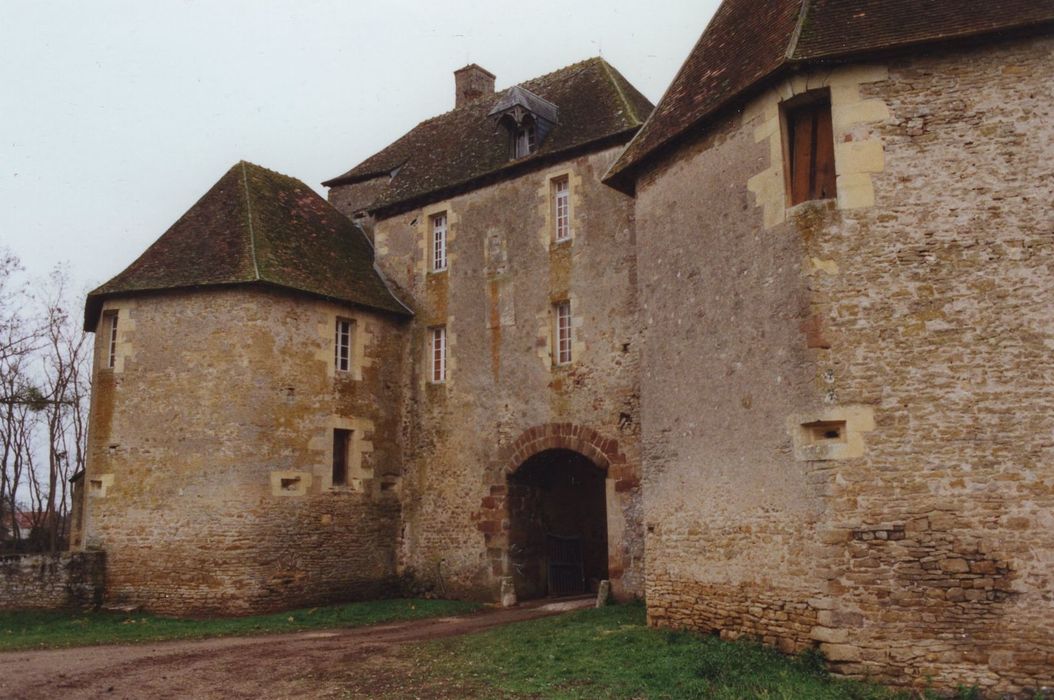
(261, 227)
(748, 41)
(464, 146)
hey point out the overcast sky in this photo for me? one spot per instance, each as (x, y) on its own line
(116, 116)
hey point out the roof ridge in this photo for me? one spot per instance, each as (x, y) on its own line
(609, 70)
(569, 66)
(249, 215)
(792, 45)
(500, 91)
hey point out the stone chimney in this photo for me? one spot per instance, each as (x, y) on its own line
(470, 83)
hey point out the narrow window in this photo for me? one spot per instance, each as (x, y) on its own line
(563, 332)
(524, 143)
(341, 447)
(810, 148)
(111, 352)
(438, 354)
(561, 210)
(439, 242)
(342, 345)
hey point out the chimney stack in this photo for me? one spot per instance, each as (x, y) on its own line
(470, 83)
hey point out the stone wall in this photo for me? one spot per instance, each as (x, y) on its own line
(209, 475)
(914, 308)
(51, 581)
(503, 390)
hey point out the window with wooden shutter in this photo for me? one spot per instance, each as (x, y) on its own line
(809, 147)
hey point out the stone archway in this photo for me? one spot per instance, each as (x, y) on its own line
(558, 541)
(603, 453)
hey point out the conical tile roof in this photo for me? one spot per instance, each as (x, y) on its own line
(256, 226)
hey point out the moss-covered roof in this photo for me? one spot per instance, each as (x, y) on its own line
(749, 41)
(595, 102)
(256, 226)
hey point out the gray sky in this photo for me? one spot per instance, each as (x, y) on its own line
(116, 116)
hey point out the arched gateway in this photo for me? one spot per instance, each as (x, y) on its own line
(558, 541)
(554, 516)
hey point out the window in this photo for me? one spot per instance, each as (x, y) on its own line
(438, 354)
(561, 210)
(523, 144)
(563, 333)
(111, 352)
(342, 345)
(341, 448)
(809, 150)
(439, 242)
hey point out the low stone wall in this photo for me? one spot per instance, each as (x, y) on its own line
(65, 580)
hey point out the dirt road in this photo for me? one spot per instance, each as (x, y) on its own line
(358, 662)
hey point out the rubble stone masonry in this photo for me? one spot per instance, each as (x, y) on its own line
(504, 398)
(912, 317)
(210, 489)
(51, 581)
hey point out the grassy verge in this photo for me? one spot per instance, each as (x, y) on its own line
(611, 653)
(47, 629)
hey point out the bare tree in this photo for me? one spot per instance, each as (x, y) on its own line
(18, 340)
(45, 370)
(65, 369)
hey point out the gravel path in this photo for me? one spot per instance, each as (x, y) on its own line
(299, 665)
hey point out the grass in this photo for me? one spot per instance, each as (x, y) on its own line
(49, 629)
(611, 653)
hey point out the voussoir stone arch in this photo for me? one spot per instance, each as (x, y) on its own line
(492, 518)
(602, 451)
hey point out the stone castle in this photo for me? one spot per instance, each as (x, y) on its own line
(776, 356)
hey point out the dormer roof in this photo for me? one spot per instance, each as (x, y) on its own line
(519, 97)
(596, 106)
(256, 226)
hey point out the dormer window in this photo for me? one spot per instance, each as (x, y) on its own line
(524, 143)
(527, 118)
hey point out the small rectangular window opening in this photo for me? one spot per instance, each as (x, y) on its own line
(111, 352)
(95, 484)
(561, 209)
(341, 449)
(439, 242)
(524, 142)
(809, 147)
(825, 431)
(563, 332)
(290, 484)
(342, 345)
(438, 354)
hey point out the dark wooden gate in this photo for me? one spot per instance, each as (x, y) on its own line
(566, 572)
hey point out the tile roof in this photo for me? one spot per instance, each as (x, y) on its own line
(257, 226)
(750, 40)
(463, 146)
